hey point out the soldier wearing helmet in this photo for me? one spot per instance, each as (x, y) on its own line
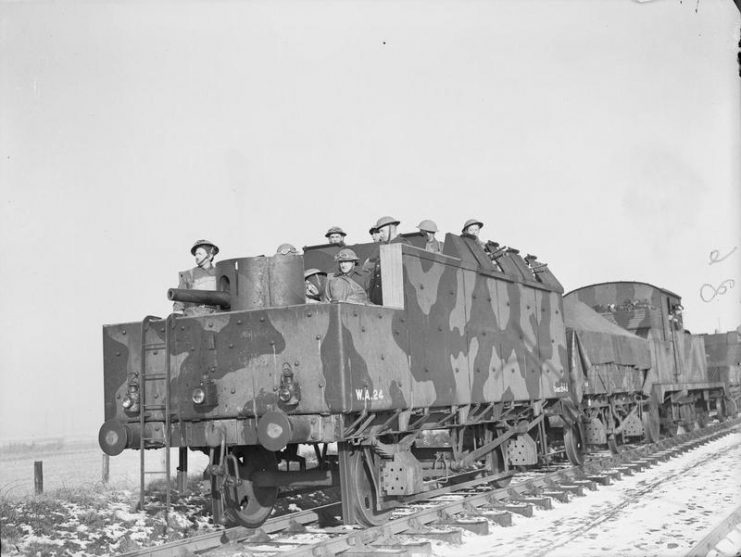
(429, 228)
(314, 283)
(200, 277)
(336, 235)
(286, 249)
(388, 234)
(346, 284)
(373, 231)
(388, 231)
(471, 229)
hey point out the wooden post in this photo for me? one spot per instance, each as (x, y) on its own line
(183, 470)
(105, 471)
(38, 477)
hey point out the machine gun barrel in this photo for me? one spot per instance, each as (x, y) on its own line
(205, 297)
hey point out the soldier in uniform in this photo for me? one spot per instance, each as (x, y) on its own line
(286, 249)
(200, 277)
(471, 230)
(429, 228)
(388, 234)
(336, 235)
(315, 283)
(346, 284)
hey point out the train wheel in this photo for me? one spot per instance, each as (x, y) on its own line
(651, 424)
(246, 504)
(362, 493)
(573, 441)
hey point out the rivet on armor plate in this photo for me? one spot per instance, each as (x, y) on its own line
(380, 316)
(262, 320)
(354, 313)
(319, 337)
(362, 329)
(451, 292)
(439, 328)
(182, 327)
(427, 370)
(231, 346)
(239, 321)
(296, 363)
(155, 353)
(162, 330)
(308, 314)
(272, 343)
(156, 395)
(118, 353)
(234, 390)
(123, 331)
(528, 307)
(210, 324)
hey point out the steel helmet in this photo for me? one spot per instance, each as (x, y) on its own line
(335, 230)
(386, 221)
(346, 255)
(311, 272)
(427, 226)
(469, 222)
(286, 249)
(200, 243)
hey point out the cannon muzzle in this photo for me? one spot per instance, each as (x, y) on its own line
(205, 297)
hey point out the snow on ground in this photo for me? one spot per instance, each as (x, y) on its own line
(661, 511)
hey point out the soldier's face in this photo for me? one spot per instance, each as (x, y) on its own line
(473, 229)
(203, 257)
(335, 238)
(376, 236)
(346, 266)
(311, 289)
(385, 233)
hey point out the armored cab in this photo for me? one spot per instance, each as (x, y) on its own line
(678, 380)
(458, 342)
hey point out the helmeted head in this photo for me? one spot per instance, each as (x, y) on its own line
(313, 282)
(286, 249)
(204, 252)
(335, 235)
(427, 225)
(373, 231)
(346, 260)
(204, 243)
(472, 227)
(387, 228)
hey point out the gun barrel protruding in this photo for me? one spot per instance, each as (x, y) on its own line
(205, 297)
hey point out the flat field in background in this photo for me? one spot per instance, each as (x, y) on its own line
(73, 465)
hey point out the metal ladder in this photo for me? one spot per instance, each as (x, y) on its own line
(153, 373)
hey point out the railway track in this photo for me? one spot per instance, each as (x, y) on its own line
(439, 515)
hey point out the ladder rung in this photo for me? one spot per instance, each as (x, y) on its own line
(154, 407)
(154, 376)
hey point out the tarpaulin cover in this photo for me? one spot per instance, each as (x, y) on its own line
(603, 357)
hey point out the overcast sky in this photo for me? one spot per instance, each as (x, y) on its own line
(602, 136)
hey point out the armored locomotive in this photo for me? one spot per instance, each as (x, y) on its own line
(635, 370)
(459, 369)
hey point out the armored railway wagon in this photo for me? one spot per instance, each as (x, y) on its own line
(681, 394)
(471, 349)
